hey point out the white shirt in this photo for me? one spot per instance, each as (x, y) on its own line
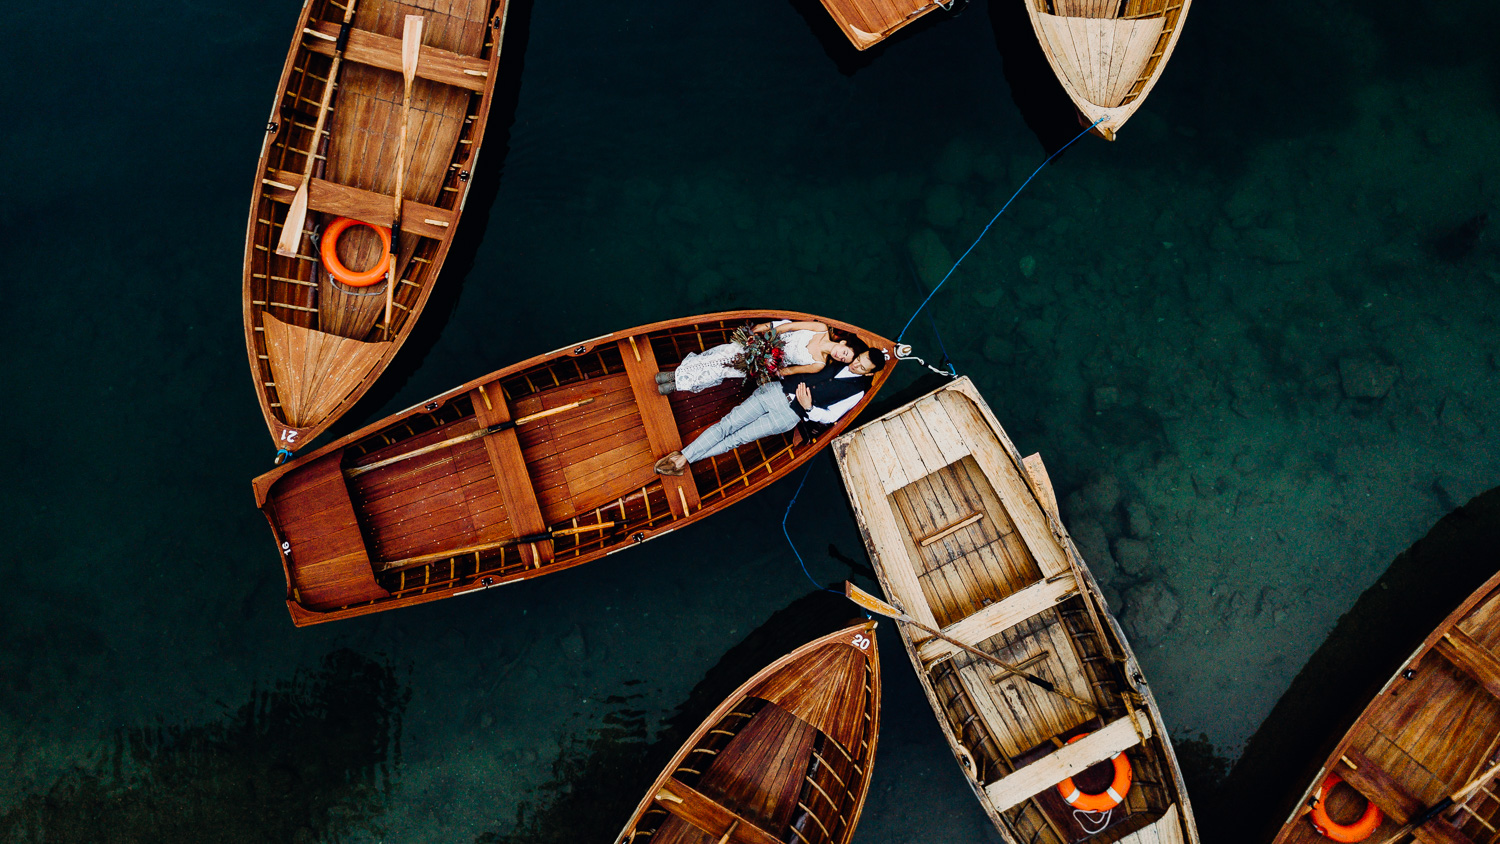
(830, 415)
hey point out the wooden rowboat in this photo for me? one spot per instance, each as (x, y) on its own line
(571, 486)
(786, 758)
(868, 22)
(1432, 732)
(1107, 54)
(315, 344)
(966, 540)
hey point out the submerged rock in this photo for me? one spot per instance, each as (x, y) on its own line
(573, 645)
(931, 257)
(1133, 556)
(1028, 265)
(944, 207)
(1138, 519)
(1364, 378)
(1271, 245)
(1151, 611)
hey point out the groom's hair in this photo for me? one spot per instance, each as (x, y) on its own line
(877, 359)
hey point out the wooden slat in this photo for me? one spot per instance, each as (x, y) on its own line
(382, 51)
(1011, 488)
(511, 474)
(1380, 787)
(882, 455)
(1472, 658)
(883, 536)
(661, 427)
(331, 568)
(367, 206)
(942, 533)
(940, 427)
(1069, 760)
(907, 454)
(686, 802)
(999, 616)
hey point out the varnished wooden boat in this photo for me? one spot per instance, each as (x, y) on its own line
(358, 540)
(316, 345)
(868, 22)
(1432, 730)
(1107, 54)
(966, 540)
(786, 758)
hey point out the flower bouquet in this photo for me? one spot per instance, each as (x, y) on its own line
(761, 354)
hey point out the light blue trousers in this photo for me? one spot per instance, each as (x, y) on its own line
(764, 413)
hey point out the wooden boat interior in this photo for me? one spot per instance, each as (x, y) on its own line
(420, 528)
(868, 22)
(1107, 53)
(315, 343)
(962, 544)
(1434, 728)
(786, 759)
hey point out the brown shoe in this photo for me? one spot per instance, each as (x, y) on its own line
(673, 464)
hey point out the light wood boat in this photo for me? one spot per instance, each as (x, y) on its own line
(966, 540)
(786, 758)
(316, 345)
(1432, 731)
(1107, 54)
(357, 538)
(868, 22)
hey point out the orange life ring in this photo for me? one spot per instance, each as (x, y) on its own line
(1346, 834)
(329, 251)
(1112, 796)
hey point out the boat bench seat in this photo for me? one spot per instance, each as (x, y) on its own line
(1472, 658)
(383, 51)
(1001, 615)
(1069, 760)
(659, 423)
(358, 204)
(512, 474)
(1369, 779)
(691, 805)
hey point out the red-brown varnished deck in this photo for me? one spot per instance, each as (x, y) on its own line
(316, 346)
(762, 768)
(447, 521)
(1432, 730)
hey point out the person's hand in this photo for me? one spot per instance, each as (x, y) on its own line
(804, 397)
(760, 328)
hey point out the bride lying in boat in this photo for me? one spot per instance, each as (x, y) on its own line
(801, 348)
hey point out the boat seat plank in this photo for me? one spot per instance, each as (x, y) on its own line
(999, 616)
(1379, 786)
(661, 427)
(359, 204)
(1472, 658)
(683, 801)
(1165, 830)
(940, 427)
(1013, 492)
(382, 51)
(926, 446)
(340, 573)
(511, 474)
(905, 449)
(883, 536)
(882, 455)
(1117, 737)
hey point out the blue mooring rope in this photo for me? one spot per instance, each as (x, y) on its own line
(902, 336)
(1013, 196)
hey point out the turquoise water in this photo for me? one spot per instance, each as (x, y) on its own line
(1255, 340)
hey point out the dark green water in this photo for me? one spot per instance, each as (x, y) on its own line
(1254, 340)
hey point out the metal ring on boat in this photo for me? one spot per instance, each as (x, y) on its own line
(1112, 796)
(329, 252)
(1344, 833)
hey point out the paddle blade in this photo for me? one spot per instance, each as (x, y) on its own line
(870, 602)
(296, 218)
(411, 46)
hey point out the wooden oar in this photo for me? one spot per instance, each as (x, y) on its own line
(463, 438)
(1443, 805)
(296, 216)
(411, 50)
(875, 605)
(490, 546)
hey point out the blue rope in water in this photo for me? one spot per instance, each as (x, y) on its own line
(788, 535)
(1013, 196)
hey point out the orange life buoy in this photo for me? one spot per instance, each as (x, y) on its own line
(329, 251)
(1343, 833)
(1112, 796)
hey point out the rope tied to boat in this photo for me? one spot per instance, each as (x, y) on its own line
(282, 456)
(902, 335)
(903, 352)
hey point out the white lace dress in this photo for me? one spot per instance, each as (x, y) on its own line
(701, 370)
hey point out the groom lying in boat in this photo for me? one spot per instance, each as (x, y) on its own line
(821, 397)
